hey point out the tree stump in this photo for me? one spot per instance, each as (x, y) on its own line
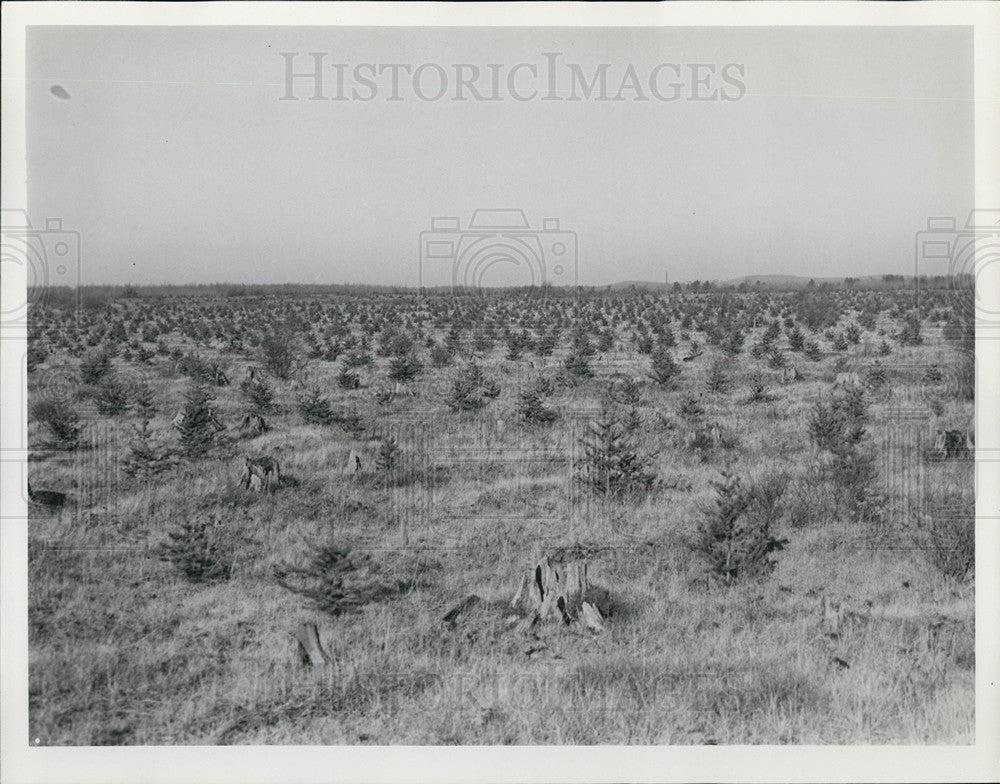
(831, 617)
(470, 601)
(555, 589)
(310, 649)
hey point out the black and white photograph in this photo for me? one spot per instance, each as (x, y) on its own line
(489, 380)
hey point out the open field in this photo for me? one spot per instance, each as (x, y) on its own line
(722, 491)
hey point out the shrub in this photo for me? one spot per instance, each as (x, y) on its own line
(258, 393)
(718, 379)
(706, 441)
(482, 341)
(580, 343)
(690, 406)
(625, 391)
(350, 421)
(809, 497)
(733, 344)
(812, 351)
(383, 394)
(796, 340)
(875, 377)
(612, 465)
(734, 534)
(531, 408)
(663, 370)
(61, 420)
(280, 352)
(453, 341)
(202, 370)
(441, 355)
(547, 343)
(470, 389)
(147, 456)
(111, 398)
(354, 359)
(404, 367)
(517, 343)
(949, 540)
(335, 580)
(909, 333)
(932, 375)
(644, 343)
(200, 423)
(776, 360)
(578, 366)
(144, 401)
(204, 549)
(852, 475)
(36, 353)
(837, 424)
(758, 389)
(95, 366)
(388, 455)
(314, 406)
(348, 379)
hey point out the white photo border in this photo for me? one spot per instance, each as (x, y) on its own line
(20, 762)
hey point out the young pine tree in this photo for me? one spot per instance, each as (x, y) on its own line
(200, 424)
(734, 534)
(531, 408)
(258, 394)
(663, 369)
(612, 465)
(388, 456)
(315, 407)
(147, 456)
(718, 379)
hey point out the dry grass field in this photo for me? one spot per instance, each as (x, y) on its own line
(779, 550)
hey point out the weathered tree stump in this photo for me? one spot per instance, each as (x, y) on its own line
(591, 617)
(831, 617)
(310, 649)
(556, 589)
(253, 425)
(260, 473)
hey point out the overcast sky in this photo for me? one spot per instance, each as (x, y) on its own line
(176, 161)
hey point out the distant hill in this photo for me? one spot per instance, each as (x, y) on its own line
(800, 282)
(784, 281)
(635, 284)
(777, 282)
